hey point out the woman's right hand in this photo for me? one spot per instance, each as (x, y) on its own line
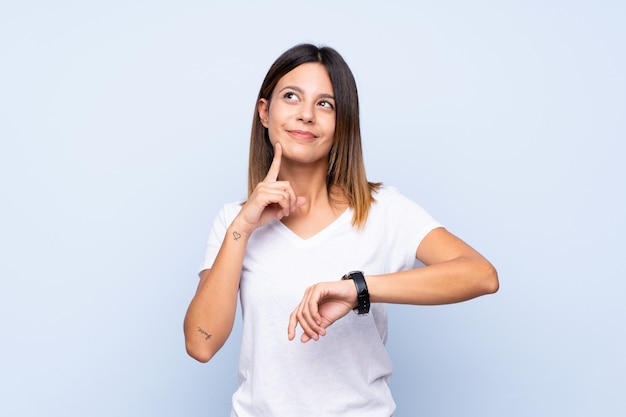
(271, 199)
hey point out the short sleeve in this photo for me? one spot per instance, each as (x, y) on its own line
(223, 219)
(407, 224)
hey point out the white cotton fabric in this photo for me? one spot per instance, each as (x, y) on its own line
(347, 372)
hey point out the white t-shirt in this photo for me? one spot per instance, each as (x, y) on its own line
(346, 373)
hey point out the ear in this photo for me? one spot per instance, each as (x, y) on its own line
(263, 108)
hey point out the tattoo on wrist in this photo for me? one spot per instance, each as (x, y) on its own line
(236, 235)
(206, 335)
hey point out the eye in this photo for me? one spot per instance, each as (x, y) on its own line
(326, 104)
(290, 95)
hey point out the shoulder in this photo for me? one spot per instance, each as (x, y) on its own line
(233, 207)
(388, 195)
(390, 202)
(229, 211)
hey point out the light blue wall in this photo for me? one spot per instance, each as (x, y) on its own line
(124, 127)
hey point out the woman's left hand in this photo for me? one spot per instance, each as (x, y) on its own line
(322, 305)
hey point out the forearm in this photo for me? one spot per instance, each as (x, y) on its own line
(211, 313)
(447, 282)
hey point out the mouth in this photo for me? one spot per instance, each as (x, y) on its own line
(302, 134)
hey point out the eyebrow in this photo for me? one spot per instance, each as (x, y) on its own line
(299, 90)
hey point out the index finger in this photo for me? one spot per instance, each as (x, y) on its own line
(272, 173)
(291, 327)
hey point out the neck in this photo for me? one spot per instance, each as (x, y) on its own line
(307, 180)
(322, 205)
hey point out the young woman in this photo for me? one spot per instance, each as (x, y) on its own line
(314, 241)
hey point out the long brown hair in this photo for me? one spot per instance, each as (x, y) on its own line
(346, 169)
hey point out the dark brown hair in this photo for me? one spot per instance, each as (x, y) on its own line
(346, 169)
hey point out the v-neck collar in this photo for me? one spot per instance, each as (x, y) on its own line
(320, 236)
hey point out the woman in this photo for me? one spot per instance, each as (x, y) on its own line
(311, 217)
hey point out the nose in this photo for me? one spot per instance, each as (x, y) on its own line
(307, 113)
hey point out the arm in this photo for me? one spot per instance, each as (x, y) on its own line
(453, 272)
(211, 313)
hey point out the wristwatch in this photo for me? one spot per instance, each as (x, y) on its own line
(362, 295)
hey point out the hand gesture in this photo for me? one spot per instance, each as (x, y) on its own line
(322, 305)
(271, 199)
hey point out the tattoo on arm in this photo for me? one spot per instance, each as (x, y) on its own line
(236, 235)
(205, 334)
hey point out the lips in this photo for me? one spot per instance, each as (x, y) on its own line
(302, 134)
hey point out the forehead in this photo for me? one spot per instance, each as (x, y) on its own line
(311, 77)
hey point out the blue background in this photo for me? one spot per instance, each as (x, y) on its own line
(124, 126)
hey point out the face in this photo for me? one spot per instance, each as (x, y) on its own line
(301, 114)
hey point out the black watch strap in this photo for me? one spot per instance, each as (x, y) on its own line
(362, 295)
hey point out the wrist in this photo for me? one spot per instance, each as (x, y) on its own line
(362, 293)
(238, 231)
